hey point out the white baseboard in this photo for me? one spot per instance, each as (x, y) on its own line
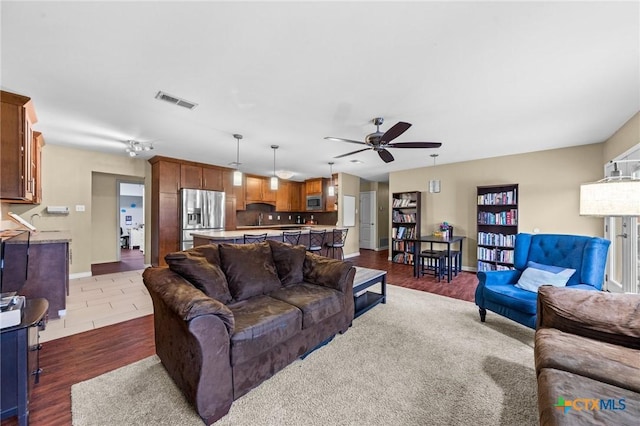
(79, 275)
(346, 256)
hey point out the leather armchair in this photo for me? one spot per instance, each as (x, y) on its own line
(497, 292)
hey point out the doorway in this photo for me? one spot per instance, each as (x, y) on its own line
(623, 269)
(368, 220)
(130, 235)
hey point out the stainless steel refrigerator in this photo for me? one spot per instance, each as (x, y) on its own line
(201, 210)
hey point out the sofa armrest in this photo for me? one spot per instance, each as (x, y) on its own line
(608, 317)
(182, 298)
(332, 273)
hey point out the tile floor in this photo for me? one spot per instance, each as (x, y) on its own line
(98, 301)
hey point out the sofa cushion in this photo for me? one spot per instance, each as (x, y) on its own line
(261, 323)
(289, 261)
(316, 302)
(537, 274)
(605, 362)
(249, 268)
(204, 275)
(511, 296)
(210, 251)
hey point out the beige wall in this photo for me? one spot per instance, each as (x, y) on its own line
(350, 185)
(624, 139)
(382, 206)
(548, 181)
(67, 181)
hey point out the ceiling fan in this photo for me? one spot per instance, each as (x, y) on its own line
(379, 141)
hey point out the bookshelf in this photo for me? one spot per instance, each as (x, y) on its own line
(497, 226)
(405, 225)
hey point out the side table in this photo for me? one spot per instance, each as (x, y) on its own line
(20, 363)
(365, 278)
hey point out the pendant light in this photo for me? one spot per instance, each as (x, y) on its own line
(274, 178)
(332, 188)
(434, 184)
(237, 174)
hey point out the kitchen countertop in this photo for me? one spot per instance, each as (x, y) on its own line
(46, 237)
(271, 232)
(293, 226)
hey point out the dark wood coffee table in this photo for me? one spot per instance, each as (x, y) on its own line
(363, 299)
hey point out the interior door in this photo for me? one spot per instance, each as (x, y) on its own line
(368, 220)
(623, 271)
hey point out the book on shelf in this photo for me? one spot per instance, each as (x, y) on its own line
(498, 198)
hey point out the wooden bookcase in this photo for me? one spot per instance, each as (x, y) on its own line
(497, 226)
(405, 225)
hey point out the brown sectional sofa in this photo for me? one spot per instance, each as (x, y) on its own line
(229, 316)
(587, 356)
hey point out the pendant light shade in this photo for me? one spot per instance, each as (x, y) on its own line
(434, 184)
(274, 179)
(237, 174)
(332, 188)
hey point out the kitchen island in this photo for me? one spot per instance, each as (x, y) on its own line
(48, 270)
(274, 232)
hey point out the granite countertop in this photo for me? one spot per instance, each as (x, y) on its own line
(293, 226)
(271, 232)
(47, 237)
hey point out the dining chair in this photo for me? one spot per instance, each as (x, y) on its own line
(339, 236)
(291, 237)
(435, 263)
(316, 240)
(254, 238)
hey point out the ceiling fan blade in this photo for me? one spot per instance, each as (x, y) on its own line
(399, 128)
(354, 152)
(415, 145)
(385, 155)
(329, 138)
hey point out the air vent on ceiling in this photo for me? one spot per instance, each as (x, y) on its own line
(175, 100)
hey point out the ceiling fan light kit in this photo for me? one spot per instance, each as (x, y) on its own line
(379, 141)
(134, 147)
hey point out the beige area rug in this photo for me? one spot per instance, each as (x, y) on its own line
(421, 359)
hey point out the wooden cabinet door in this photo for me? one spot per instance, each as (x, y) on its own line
(169, 225)
(212, 179)
(314, 186)
(36, 165)
(234, 191)
(268, 195)
(253, 188)
(230, 213)
(168, 175)
(296, 195)
(190, 176)
(283, 197)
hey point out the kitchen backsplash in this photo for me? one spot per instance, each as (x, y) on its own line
(251, 216)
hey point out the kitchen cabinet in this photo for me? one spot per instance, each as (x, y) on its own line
(198, 177)
(288, 197)
(17, 161)
(167, 174)
(36, 166)
(165, 225)
(314, 186)
(229, 213)
(257, 190)
(298, 196)
(234, 191)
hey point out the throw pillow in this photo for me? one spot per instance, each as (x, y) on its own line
(204, 275)
(289, 261)
(210, 251)
(249, 268)
(537, 274)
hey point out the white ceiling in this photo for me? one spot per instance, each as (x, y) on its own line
(484, 78)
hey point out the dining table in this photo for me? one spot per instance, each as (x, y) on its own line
(431, 240)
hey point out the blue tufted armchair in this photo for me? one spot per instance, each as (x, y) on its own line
(497, 292)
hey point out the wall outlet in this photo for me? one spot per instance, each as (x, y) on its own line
(289, 217)
(270, 217)
(278, 217)
(311, 217)
(79, 207)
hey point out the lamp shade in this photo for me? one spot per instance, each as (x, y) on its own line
(610, 198)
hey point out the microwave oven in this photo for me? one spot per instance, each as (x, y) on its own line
(314, 202)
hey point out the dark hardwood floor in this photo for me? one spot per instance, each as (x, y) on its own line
(130, 260)
(86, 355)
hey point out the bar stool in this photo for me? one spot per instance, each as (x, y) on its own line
(455, 258)
(291, 237)
(435, 261)
(316, 241)
(337, 242)
(255, 238)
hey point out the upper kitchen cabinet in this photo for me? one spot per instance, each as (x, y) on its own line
(257, 190)
(199, 177)
(234, 191)
(314, 186)
(18, 159)
(288, 197)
